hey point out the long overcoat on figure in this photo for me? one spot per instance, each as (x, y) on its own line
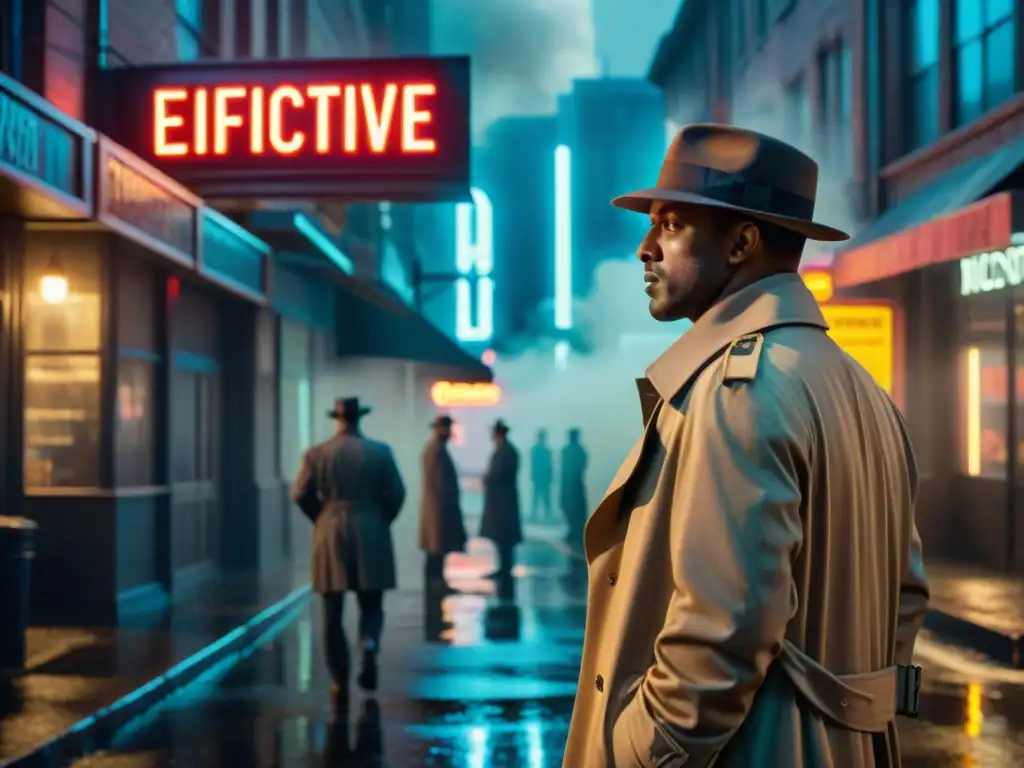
(755, 572)
(441, 527)
(572, 490)
(351, 489)
(501, 522)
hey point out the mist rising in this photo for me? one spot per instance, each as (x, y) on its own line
(525, 52)
(597, 393)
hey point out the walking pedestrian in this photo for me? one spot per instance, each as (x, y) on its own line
(756, 578)
(501, 522)
(441, 526)
(350, 488)
(541, 477)
(572, 488)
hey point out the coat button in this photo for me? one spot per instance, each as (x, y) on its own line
(842, 702)
(599, 684)
(612, 578)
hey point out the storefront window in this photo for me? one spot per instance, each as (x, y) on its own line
(62, 425)
(62, 370)
(134, 438)
(295, 395)
(984, 388)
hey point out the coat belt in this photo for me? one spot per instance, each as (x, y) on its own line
(863, 702)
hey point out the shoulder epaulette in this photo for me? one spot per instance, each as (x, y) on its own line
(741, 358)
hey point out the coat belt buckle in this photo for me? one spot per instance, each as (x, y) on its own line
(908, 690)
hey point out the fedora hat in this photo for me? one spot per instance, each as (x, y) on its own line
(720, 166)
(349, 409)
(501, 426)
(442, 421)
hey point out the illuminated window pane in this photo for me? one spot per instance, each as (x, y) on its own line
(970, 104)
(62, 421)
(134, 434)
(73, 324)
(983, 388)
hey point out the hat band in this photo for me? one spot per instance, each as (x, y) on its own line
(761, 197)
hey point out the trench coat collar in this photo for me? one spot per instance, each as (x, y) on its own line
(777, 300)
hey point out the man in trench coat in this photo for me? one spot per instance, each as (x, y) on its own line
(441, 527)
(755, 573)
(350, 488)
(501, 522)
(572, 488)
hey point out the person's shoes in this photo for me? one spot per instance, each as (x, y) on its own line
(339, 701)
(367, 678)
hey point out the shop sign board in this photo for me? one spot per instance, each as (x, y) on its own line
(39, 144)
(993, 270)
(142, 204)
(394, 129)
(869, 332)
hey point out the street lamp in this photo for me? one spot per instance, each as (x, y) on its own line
(53, 286)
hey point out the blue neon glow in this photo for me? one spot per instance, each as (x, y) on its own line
(563, 238)
(323, 243)
(474, 250)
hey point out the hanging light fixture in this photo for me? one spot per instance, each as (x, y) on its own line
(53, 286)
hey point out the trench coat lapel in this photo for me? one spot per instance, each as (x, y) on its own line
(774, 301)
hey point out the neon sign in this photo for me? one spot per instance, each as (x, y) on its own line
(474, 253)
(387, 129)
(451, 394)
(563, 238)
(335, 118)
(993, 270)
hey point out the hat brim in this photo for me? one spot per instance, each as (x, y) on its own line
(640, 202)
(449, 421)
(336, 414)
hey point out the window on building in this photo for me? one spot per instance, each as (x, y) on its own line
(762, 19)
(134, 438)
(984, 56)
(984, 387)
(739, 26)
(835, 101)
(921, 24)
(797, 111)
(62, 374)
(190, 29)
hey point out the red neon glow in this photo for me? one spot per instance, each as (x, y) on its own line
(173, 288)
(289, 119)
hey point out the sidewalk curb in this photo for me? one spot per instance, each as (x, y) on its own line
(90, 733)
(1000, 648)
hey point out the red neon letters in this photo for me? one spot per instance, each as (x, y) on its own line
(334, 118)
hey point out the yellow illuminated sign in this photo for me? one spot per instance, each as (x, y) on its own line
(819, 283)
(451, 394)
(867, 332)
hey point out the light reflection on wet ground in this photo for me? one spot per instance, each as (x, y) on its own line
(484, 679)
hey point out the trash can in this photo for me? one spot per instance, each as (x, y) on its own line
(17, 548)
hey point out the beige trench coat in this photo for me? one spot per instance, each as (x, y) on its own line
(757, 542)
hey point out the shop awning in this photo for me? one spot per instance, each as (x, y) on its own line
(948, 218)
(371, 320)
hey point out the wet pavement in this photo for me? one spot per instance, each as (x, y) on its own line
(480, 679)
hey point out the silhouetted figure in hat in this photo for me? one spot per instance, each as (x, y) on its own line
(541, 477)
(572, 488)
(441, 527)
(501, 522)
(350, 487)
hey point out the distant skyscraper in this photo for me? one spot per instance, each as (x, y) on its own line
(615, 130)
(516, 170)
